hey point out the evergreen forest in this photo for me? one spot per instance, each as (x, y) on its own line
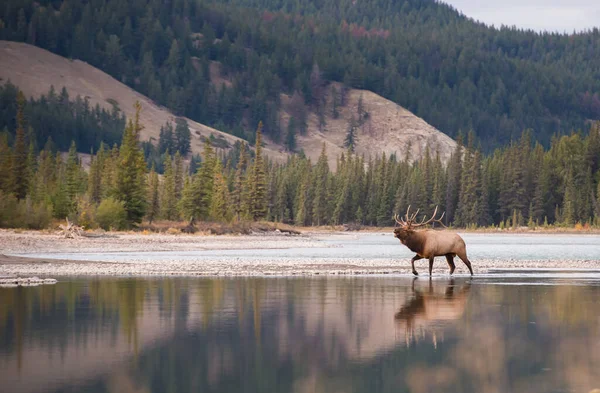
(520, 184)
(457, 74)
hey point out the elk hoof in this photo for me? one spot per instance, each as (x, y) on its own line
(415, 273)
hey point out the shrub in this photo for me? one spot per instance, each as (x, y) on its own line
(23, 213)
(87, 213)
(35, 215)
(8, 210)
(111, 214)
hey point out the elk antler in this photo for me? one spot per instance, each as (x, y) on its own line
(399, 220)
(432, 219)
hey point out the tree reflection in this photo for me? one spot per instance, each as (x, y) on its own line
(303, 335)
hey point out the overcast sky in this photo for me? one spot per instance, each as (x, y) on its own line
(540, 15)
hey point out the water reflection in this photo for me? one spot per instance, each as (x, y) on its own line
(301, 335)
(433, 308)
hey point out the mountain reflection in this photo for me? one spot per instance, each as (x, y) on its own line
(301, 335)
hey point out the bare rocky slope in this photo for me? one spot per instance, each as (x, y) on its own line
(388, 128)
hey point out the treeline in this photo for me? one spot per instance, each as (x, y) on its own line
(424, 55)
(56, 117)
(522, 184)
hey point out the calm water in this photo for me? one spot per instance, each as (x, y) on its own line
(359, 334)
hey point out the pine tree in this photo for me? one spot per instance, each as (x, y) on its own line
(95, 176)
(166, 139)
(153, 199)
(197, 196)
(290, 140)
(182, 136)
(6, 173)
(351, 138)
(131, 172)
(220, 209)
(178, 175)
(320, 201)
(20, 171)
(168, 200)
(206, 178)
(239, 197)
(73, 182)
(569, 203)
(303, 198)
(258, 182)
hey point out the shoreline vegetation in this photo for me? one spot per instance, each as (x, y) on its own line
(523, 185)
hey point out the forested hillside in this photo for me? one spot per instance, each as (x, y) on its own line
(522, 184)
(452, 72)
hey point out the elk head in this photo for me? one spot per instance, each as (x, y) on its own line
(409, 222)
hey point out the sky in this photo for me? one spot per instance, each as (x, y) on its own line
(540, 15)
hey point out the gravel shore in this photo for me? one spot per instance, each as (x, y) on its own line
(25, 243)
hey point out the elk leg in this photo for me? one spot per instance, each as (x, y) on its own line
(412, 261)
(431, 265)
(450, 260)
(466, 261)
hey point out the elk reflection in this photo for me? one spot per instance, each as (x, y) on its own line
(440, 303)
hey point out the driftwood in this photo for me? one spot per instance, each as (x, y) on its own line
(70, 231)
(352, 226)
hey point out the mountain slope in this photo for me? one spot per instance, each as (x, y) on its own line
(388, 129)
(458, 75)
(34, 70)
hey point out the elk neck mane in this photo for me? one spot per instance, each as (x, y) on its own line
(415, 241)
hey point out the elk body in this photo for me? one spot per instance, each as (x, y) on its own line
(429, 243)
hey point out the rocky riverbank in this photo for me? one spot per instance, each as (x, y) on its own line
(43, 254)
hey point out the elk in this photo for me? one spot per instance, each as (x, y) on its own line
(429, 243)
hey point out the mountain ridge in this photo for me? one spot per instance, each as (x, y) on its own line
(388, 129)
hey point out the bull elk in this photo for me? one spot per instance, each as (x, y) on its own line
(429, 243)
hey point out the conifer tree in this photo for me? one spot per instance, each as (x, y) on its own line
(153, 197)
(220, 209)
(351, 138)
(182, 136)
(303, 198)
(197, 196)
(168, 199)
(320, 201)
(178, 166)
(73, 182)
(95, 176)
(257, 182)
(6, 177)
(290, 140)
(206, 177)
(20, 172)
(569, 203)
(131, 172)
(239, 197)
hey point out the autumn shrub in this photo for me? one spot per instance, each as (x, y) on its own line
(111, 214)
(86, 213)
